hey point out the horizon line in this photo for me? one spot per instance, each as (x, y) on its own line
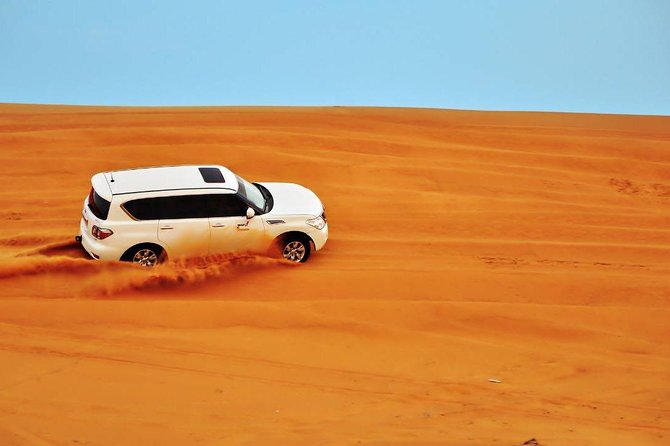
(572, 112)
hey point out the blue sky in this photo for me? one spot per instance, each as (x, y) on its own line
(607, 56)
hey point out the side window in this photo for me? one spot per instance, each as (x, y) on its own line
(185, 206)
(162, 208)
(143, 209)
(226, 205)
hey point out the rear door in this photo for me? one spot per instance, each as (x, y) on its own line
(183, 226)
(230, 230)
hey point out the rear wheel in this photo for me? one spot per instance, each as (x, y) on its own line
(145, 255)
(296, 249)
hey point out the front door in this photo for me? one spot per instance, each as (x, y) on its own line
(230, 230)
(236, 234)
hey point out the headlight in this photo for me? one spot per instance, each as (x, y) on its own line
(316, 222)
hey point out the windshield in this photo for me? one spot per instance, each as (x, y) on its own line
(251, 193)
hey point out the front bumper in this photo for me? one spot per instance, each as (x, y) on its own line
(319, 236)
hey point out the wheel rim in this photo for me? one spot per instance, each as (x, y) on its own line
(294, 251)
(145, 257)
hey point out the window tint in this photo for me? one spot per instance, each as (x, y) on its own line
(226, 205)
(167, 208)
(186, 206)
(143, 209)
(98, 205)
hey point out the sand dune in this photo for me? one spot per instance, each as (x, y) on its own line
(530, 248)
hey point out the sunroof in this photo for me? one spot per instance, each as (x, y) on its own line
(211, 174)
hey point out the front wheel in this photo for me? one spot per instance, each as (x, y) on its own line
(296, 250)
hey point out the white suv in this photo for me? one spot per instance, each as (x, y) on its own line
(147, 215)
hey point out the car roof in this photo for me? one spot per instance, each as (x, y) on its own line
(165, 178)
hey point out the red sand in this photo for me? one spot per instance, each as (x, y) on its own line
(526, 247)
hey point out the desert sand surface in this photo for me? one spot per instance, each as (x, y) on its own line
(528, 248)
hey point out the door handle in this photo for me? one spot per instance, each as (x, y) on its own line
(218, 225)
(166, 227)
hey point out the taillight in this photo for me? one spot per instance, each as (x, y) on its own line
(101, 233)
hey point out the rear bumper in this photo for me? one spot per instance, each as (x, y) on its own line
(87, 247)
(95, 248)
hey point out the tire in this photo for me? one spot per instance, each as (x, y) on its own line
(295, 249)
(147, 255)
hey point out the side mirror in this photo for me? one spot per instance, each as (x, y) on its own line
(250, 213)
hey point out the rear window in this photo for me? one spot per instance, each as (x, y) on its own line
(98, 205)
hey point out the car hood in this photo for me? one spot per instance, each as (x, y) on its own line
(293, 199)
